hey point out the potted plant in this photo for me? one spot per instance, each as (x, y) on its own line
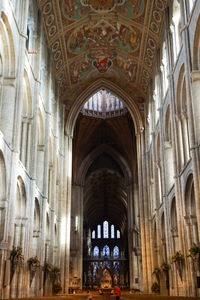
(34, 264)
(194, 253)
(155, 288)
(57, 287)
(16, 259)
(16, 255)
(178, 260)
(157, 272)
(48, 267)
(165, 267)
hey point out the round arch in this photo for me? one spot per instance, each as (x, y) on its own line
(92, 89)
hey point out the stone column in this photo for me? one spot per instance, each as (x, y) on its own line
(191, 96)
(66, 213)
(23, 141)
(144, 213)
(77, 212)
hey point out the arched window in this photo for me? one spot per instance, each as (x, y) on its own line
(93, 234)
(105, 230)
(116, 252)
(118, 234)
(112, 231)
(106, 251)
(96, 251)
(99, 231)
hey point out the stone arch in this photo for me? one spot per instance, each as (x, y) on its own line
(21, 199)
(196, 46)
(20, 213)
(94, 154)
(27, 96)
(182, 120)
(174, 224)
(167, 128)
(158, 171)
(8, 46)
(168, 152)
(26, 121)
(50, 170)
(40, 128)
(163, 238)
(94, 87)
(36, 227)
(155, 245)
(40, 151)
(3, 188)
(190, 211)
(37, 215)
(176, 31)
(47, 227)
(1, 65)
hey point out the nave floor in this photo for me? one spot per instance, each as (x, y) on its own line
(125, 296)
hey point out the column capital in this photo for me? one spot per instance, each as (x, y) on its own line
(195, 75)
(69, 136)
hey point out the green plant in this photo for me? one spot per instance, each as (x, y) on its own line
(165, 267)
(16, 255)
(157, 272)
(33, 261)
(155, 288)
(178, 257)
(48, 267)
(194, 251)
(57, 287)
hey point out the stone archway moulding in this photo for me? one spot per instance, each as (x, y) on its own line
(93, 88)
(95, 153)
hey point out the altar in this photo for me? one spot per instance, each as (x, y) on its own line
(106, 280)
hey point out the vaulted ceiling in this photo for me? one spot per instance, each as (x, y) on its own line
(110, 147)
(113, 39)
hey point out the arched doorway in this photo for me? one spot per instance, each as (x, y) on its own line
(104, 187)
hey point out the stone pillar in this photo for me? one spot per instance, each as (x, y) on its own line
(66, 209)
(144, 213)
(23, 141)
(195, 149)
(77, 247)
(191, 96)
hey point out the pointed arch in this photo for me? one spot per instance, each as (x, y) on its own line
(8, 46)
(92, 89)
(3, 187)
(95, 153)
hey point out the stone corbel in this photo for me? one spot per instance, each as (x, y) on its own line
(168, 144)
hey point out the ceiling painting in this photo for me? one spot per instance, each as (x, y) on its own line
(115, 39)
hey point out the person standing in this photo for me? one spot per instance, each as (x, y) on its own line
(117, 292)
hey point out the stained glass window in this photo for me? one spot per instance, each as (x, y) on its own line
(118, 234)
(116, 252)
(106, 251)
(112, 232)
(96, 251)
(99, 231)
(93, 234)
(105, 230)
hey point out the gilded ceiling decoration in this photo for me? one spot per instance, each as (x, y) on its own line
(114, 39)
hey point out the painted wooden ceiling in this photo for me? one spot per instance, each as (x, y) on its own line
(112, 39)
